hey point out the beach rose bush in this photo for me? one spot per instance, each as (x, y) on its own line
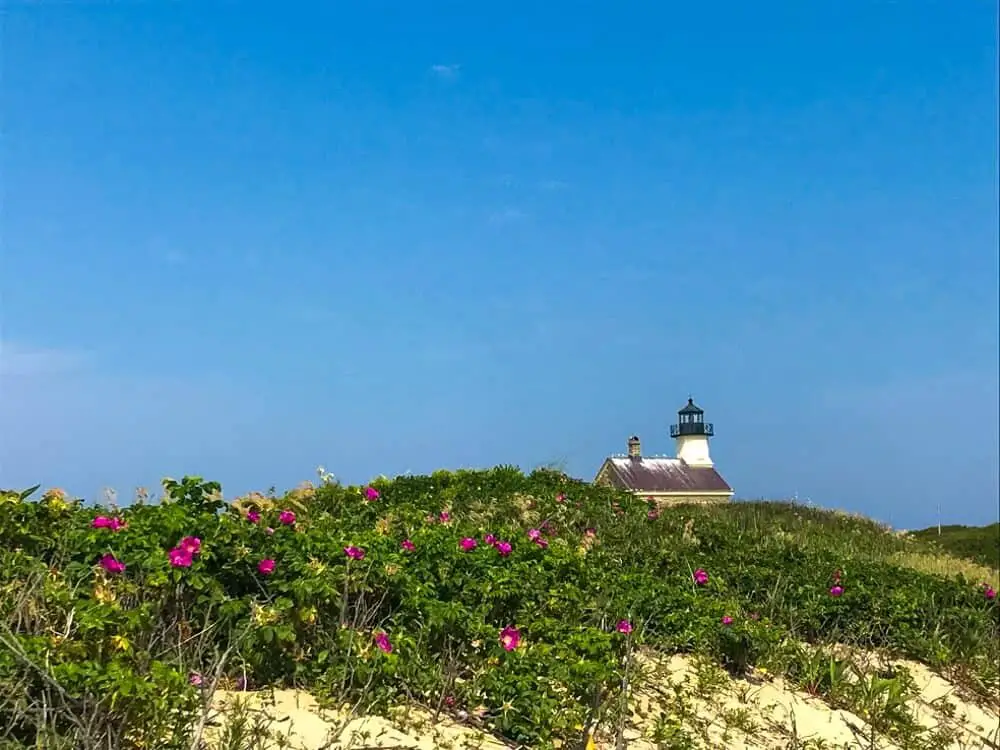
(516, 598)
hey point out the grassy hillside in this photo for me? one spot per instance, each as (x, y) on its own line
(519, 603)
(978, 543)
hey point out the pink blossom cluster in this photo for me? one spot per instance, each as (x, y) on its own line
(105, 522)
(184, 553)
(501, 546)
(837, 589)
(510, 638)
(535, 535)
(653, 513)
(285, 518)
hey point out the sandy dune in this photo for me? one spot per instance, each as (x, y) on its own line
(681, 703)
(295, 721)
(768, 713)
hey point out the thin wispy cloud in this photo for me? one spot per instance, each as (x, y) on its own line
(174, 257)
(551, 185)
(508, 215)
(18, 359)
(163, 249)
(917, 393)
(445, 71)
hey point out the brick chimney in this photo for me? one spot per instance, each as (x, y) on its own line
(634, 449)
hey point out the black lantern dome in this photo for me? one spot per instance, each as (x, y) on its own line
(691, 421)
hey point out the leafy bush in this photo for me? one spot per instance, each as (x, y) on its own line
(518, 600)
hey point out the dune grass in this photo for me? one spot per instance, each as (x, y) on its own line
(980, 544)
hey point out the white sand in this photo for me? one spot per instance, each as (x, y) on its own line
(734, 714)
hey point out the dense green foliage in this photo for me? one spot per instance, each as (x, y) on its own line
(120, 648)
(978, 543)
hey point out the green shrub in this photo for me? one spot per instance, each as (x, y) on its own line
(116, 652)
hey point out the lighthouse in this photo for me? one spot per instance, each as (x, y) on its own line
(689, 478)
(691, 434)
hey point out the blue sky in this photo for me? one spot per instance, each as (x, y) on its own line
(242, 240)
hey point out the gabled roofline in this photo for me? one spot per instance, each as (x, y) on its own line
(604, 466)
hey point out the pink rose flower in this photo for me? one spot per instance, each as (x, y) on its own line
(112, 565)
(191, 544)
(510, 638)
(180, 558)
(382, 641)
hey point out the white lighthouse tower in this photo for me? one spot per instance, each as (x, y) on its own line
(691, 434)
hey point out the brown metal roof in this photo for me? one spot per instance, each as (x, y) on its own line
(665, 475)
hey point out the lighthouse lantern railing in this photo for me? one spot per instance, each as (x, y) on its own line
(692, 428)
